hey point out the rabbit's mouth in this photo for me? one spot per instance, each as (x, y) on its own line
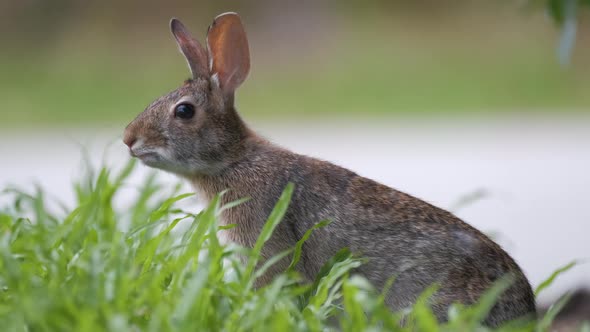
(139, 150)
(146, 156)
(153, 157)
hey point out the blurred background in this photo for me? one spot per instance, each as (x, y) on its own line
(461, 103)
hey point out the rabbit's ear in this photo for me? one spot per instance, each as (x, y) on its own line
(195, 54)
(229, 57)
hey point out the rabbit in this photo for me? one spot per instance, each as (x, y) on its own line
(196, 133)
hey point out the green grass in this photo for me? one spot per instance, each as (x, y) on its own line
(150, 266)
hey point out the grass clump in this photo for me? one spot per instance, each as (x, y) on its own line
(152, 266)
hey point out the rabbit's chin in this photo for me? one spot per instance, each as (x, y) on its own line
(155, 160)
(158, 158)
(162, 159)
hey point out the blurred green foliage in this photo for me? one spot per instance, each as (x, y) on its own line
(102, 63)
(557, 8)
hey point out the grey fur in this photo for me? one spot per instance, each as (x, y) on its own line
(400, 235)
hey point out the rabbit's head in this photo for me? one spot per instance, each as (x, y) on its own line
(195, 129)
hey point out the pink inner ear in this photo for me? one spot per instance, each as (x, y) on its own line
(228, 51)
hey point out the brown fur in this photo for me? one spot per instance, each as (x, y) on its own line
(400, 235)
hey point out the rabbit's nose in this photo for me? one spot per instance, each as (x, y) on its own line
(129, 141)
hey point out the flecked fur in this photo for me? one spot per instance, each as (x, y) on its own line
(400, 235)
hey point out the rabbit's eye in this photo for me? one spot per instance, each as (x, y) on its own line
(184, 111)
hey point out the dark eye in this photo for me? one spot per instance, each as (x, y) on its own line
(184, 111)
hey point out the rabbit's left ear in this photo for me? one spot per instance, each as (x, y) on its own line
(195, 54)
(229, 56)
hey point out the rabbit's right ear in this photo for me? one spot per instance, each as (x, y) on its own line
(195, 54)
(229, 56)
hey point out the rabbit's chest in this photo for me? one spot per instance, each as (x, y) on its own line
(238, 231)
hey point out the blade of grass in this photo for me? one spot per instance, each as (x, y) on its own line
(547, 282)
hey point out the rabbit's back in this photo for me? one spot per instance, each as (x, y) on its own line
(401, 236)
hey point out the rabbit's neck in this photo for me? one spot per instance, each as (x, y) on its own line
(254, 177)
(244, 177)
